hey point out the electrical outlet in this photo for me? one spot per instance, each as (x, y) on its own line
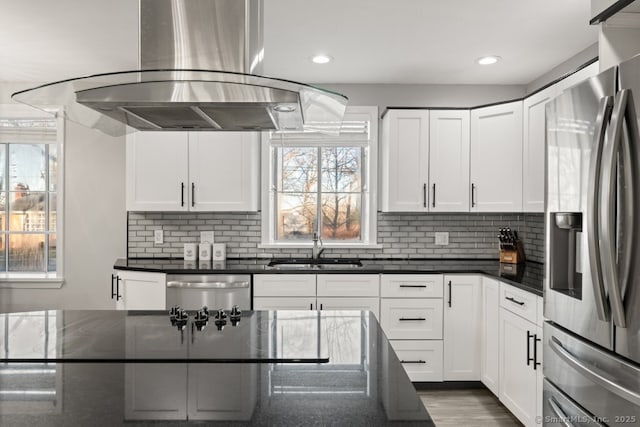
(442, 238)
(206, 237)
(158, 237)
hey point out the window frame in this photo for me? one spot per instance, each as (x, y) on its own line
(53, 279)
(370, 182)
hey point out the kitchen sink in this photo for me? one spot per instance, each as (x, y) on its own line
(314, 264)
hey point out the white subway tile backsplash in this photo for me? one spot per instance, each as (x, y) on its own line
(402, 235)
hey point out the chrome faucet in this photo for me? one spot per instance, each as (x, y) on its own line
(317, 251)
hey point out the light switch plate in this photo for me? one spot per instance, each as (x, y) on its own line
(158, 237)
(442, 238)
(206, 237)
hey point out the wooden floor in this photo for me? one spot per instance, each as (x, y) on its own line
(477, 407)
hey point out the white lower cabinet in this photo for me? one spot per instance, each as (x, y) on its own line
(462, 314)
(317, 292)
(519, 369)
(135, 290)
(412, 319)
(490, 335)
(421, 359)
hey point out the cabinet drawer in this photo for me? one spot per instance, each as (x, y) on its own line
(519, 302)
(348, 285)
(287, 285)
(411, 319)
(422, 360)
(411, 286)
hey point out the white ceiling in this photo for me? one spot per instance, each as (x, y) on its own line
(372, 41)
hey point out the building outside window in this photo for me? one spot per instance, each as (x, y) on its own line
(30, 188)
(325, 184)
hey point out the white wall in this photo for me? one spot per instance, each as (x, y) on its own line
(94, 221)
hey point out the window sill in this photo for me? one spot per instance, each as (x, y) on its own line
(30, 281)
(326, 246)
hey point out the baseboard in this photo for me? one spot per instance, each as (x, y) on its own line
(449, 385)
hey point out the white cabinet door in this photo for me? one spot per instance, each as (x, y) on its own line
(371, 304)
(449, 160)
(141, 291)
(496, 158)
(411, 319)
(348, 285)
(157, 171)
(518, 379)
(490, 352)
(284, 303)
(405, 161)
(533, 161)
(224, 171)
(462, 328)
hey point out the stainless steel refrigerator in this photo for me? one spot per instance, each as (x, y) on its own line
(592, 288)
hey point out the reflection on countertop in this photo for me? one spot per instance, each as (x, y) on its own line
(527, 276)
(167, 378)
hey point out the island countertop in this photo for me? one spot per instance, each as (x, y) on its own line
(527, 276)
(116, 367)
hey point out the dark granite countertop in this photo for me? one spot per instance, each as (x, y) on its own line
(362, 384)
(528, 276)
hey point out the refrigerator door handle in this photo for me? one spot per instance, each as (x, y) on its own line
(594, 373)
(623, 109)
(593, 211)
(630, 188)
(559, 412)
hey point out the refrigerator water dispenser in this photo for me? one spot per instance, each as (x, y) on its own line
(565, 249)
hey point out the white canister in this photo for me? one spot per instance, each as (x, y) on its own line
(204, 251)
(219, 252)
(190, 252)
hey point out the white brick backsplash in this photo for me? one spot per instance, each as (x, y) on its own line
(402, 235)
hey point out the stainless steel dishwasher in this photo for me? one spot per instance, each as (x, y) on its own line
(193, 291)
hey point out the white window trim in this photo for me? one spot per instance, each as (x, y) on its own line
(372, 173)
(49, 280)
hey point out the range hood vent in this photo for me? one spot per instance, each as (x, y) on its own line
(198, 61)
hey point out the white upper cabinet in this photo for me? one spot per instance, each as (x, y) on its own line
(534, 137)
(192, 171)
(157, 171)
(405, 161)
(496, 158)
(449, 160)
(224, 170)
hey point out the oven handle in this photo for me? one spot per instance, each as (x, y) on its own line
(207, 285)
(593, 373)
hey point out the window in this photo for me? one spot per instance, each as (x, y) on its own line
(322, 184)
(30, 188)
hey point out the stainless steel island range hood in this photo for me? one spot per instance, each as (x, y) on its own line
(200, 62)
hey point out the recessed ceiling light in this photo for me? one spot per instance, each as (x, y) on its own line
(321, 59)
(488, 60)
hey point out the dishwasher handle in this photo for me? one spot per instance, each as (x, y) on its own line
(207, 285)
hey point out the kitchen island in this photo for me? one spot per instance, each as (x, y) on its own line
(262, 368)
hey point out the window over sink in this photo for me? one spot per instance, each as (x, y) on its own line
(320, 183)
(30, 190)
